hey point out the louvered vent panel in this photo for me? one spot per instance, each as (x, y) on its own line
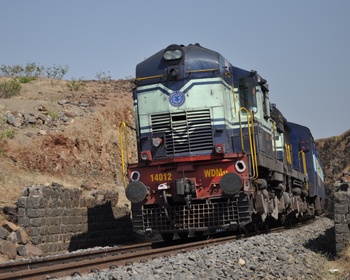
(185, 132)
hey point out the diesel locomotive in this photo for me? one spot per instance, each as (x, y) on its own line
(213, 153)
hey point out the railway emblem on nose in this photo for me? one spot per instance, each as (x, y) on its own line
(177, 98)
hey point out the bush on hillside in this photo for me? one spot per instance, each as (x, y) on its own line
(10, 88)
(25, 79)
(56, 72)
(76, 85)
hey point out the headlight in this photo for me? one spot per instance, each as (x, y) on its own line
(156, 141)
(172, 54)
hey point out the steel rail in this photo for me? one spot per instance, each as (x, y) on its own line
(86, 262)
(54, 267)
(32, 268)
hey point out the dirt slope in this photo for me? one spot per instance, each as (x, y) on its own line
(335, 156)
(58, 135)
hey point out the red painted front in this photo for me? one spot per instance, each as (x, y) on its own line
(204, 171)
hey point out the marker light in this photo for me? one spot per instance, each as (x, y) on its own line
(219, 148)
(146, 155)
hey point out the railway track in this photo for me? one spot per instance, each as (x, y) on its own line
(85, 262)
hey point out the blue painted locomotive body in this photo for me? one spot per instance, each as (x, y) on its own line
(302, 140)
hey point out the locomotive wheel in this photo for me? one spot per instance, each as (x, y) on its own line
(183, 235)
(290, 221)
(256, 223)
(167, 236)
(264, 226)
(251, 228)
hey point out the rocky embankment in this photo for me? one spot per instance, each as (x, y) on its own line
(335, 155)
(15, 242)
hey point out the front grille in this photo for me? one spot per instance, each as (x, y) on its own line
(204, 216)
(184, 132)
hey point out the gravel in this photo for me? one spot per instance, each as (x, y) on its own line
(294, 254)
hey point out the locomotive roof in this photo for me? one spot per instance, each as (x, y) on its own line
(195, 59)
(300, 130)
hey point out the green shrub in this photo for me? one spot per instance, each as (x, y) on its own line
(5, 70)
(53, 115)
(33, 70)
(76, 85)
(8, 134)
(25, 79)
(103, 77)
(56, 72)
(10, 88)
(30, 70)
(4, 136)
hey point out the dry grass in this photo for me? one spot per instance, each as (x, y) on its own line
(338, 269)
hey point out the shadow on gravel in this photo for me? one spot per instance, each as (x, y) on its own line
(324, 244)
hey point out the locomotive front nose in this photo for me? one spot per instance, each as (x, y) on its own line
(136, 192)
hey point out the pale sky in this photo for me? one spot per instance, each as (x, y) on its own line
(300, 47)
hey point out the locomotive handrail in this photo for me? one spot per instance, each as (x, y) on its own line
(288, 153)
(301, 152)
(122, 132)
(203, 70)
(240, 126)
(254, 155)
(149, 77)
(273, 125)
(234, 98)
(252, 145)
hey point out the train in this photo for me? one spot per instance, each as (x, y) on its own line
(214, 154)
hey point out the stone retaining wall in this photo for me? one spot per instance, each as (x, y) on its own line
(342, 213)
(60, 219)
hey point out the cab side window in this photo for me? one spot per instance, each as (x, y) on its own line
(247, 94)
